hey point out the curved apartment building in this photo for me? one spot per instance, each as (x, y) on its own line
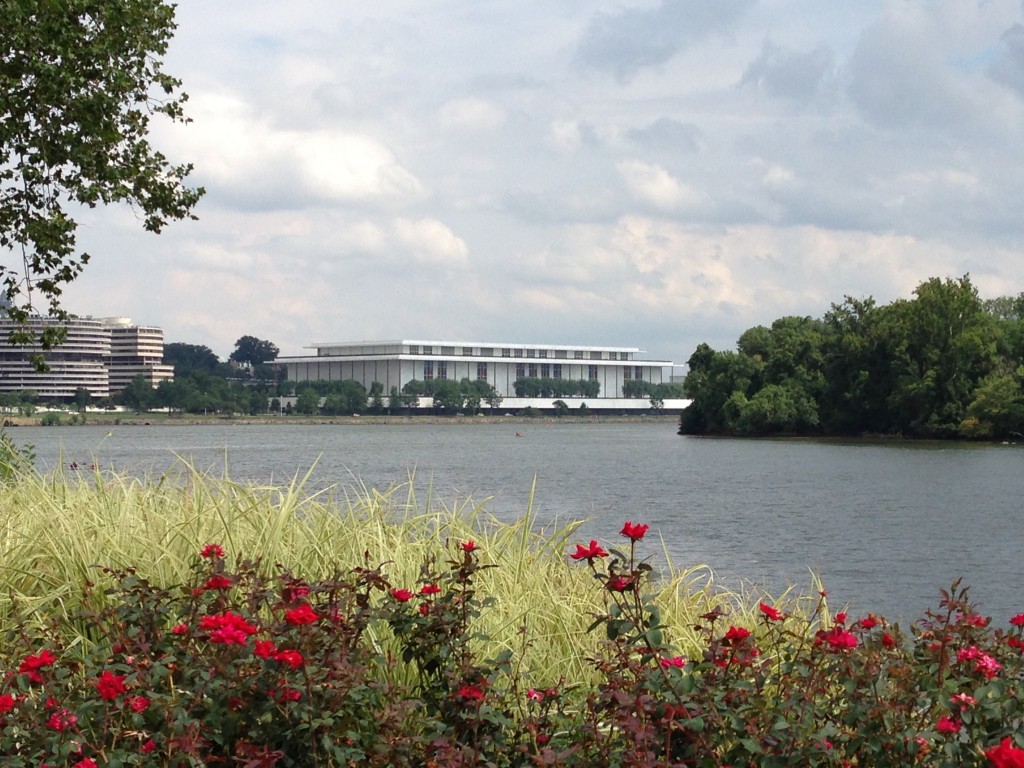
(99, 355)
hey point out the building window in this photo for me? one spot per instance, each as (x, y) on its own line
(442, 369)
(520, 370)
(531, 353)
(561, 354)
(592, 372)
(557, 371)
(638, 372)
(506, 352)
(487, 351)
(533, 370)
(545, 371)
(519, 353)
(627, 373)
(481, 371)
(428, 350)
(595, 355)
(428, 370)
(467, 351)
(542, 353)
(447, 350)
(577, 354)
(414, 349)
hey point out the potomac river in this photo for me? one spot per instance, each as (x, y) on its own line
(884, 524)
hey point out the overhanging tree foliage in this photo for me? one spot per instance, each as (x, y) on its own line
(80, 81)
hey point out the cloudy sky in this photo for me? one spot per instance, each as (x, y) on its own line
(650, 173)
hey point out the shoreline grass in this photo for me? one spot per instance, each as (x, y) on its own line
(58, 529)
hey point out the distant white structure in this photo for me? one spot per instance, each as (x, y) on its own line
(395, 363)
(99, 355)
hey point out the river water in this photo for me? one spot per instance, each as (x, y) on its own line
(885, 525)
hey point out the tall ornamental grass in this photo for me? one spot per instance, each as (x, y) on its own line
(58, 529)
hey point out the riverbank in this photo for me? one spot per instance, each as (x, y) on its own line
(193, 420)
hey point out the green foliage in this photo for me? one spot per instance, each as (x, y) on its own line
(80, 81)
(251, 351)
(187, 358)
(940, 365)
(15, 462)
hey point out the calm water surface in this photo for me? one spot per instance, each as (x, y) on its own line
(884, 525)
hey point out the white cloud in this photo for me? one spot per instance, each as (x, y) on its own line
(470, 114)
(653, 184)
(431, 242)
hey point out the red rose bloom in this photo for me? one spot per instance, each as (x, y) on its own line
(1006, 755)
(138, 703)
(31, 665)
(838, 639)
(402, 595)
(264, 649)
(430, 589)
(212, 550)
(148, 747)
(109, 685)
(7, 702)
(1018, 620)
(888, 640)
(736, 635)
(634, 531)
(468, 546)
(588, 553)
(948, 724)
(471, 693)
(773, 614)
(180, 629)
(620, 584)
(218, 582)
(227, 628)
(301, 615)
(291, 658)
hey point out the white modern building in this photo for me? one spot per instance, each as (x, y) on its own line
(99, 355)
(395, 363)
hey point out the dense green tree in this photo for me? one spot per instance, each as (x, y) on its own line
(251, 351)
(80, 81)
(139, 395)
(448, 396)
(942, 364)
(307, 402)
(187, 358)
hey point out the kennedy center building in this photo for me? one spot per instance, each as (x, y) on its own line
(395, 363)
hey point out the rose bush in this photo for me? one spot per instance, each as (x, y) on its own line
(238, 667)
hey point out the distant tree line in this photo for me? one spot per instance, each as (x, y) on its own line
(944, 364)
(532, 386)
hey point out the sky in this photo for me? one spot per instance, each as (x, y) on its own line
(651, 174)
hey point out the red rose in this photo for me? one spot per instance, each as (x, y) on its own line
(291, 658)
(620, 584)
(948, 724)
(109, 685)
(1018, 620)
(1006, 755)
(148, 747)
(402, 595)
(301, 615)
(773, 614)
(736, 635)
(468, 546)
(212, 550)
(430, 589)
(471, 693)
(218, 582)
(588, 553)
(7, 702)
(138, 703)
(634, 531)
(264, 649)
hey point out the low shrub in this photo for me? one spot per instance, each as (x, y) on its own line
(237, 667)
